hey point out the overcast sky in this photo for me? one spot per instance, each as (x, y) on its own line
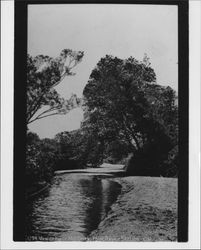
(119, 30)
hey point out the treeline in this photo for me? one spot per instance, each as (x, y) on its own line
(44, 156)
(128, 118)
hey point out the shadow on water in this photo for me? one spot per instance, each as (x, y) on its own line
(71, 208)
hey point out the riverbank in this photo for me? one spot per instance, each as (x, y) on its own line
(36, 189)
(146, 210)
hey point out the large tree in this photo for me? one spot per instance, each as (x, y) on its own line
(123, 102)
(114, 98)
(43, 74)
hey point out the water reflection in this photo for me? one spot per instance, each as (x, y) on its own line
(73, 207)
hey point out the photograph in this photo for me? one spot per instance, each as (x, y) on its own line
(101, 122)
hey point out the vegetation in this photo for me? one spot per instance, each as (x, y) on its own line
(128, 118)
(41, 159)
(43, 74)
(126, 109)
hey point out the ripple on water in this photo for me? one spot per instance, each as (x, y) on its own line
(73, 206)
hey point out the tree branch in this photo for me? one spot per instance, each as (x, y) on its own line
(38, 102)
(38, 118)
(126, 125)
(46, 111)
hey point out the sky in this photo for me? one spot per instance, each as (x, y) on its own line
(98, 29)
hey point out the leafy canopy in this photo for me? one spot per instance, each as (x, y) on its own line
(123, 104)
(43, 74)
(114, 99)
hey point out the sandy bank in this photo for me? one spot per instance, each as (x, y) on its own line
(146, 210)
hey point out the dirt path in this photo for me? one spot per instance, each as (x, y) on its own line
(105, 168)
(146, 210)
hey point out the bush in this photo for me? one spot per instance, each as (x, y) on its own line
(147, 163)
(170, 165)
(142, 164)
(66, 164)
(151, 159)
(41, 156)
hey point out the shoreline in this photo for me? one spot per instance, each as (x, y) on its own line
(145, 210)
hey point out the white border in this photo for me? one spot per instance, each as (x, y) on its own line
(7, 70)
(194, 121)
(7, 41)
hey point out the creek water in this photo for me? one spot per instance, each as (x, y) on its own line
(71, 208)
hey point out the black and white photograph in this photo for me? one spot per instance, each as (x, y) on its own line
(100, 122)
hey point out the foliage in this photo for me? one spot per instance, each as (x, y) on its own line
(113, 98)
(77, 149)
(44, 156)
(32, 151)
(66, 148)
(41, 158)
(43, 74)
(127, 118)
(170, 165)
(123, 103)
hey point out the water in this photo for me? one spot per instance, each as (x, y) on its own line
(71, 208)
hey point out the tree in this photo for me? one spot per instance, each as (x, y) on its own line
(114, 100)
(123, 102)
(41, 157)
(43, 74)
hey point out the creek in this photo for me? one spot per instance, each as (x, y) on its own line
(71, 208)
